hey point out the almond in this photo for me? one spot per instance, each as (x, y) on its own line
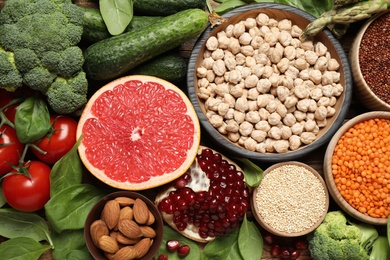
(125, 240)
(151, 219)
(98, 229)
(143, 246)
(140, 211)
(129, 228)
(108, 244)
(124, 201)
(110, 213)
(126, 212)
(125, 253)
(148, 231)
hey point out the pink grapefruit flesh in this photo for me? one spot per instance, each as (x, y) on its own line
(138, 132)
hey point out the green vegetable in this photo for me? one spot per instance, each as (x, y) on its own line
(41, 40)
(117, 14)
(252, 173)
(336, 238)
(96, 30)
(380, 249)
(165, 7)
(22, 248)
(112, 57)
(70, 242)
(250, 241)
(169, 66)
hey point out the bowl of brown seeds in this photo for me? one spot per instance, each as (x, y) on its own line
(370, 62)
(291, 200)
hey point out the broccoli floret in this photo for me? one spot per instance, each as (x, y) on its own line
(353, 250)
(42, 36)
(321, 246)
(65, 96)
(369, 234)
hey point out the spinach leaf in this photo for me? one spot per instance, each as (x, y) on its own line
(228, 5)
(250, 241)
(68, 209)
(32, 120)
(2, 199)
(70, 242)
(116, 14)
(67, 171)
(14, 223)
(22, 248)
(223, 247)
(253, 173)
(169, 234)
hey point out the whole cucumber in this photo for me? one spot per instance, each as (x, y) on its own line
(112, 57)
(165, 7)
(94, 28)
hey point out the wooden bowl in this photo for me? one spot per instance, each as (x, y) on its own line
(96, 212)
(363, 91)
(328, 175)
(301, 19)
(298, 195)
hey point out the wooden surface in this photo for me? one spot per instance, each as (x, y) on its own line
(315, 159)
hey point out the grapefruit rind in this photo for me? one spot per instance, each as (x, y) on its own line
(154, 181)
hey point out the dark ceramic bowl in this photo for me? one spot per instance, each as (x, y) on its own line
(301, 19)
(95, 214)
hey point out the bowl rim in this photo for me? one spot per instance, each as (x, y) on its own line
(269, 157)
(98, 207)
(327, 167)
(293, 234)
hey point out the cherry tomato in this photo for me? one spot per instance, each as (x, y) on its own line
(10, 112)
(59, 142)
(28, 194)
(10, 149)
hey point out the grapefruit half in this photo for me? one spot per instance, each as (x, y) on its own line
(138, 132)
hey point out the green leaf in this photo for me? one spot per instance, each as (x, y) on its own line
(116, 14)
(68, 209)
(228, 5)
(388, 229)
(169, 234)
(253, 173)
(22, 248)
(70, 244)
(67, 171)
(250, 241)
(313, 7)
(2, 199)
(32, 120)
(14, 223)
(223, 247)
(79, 255)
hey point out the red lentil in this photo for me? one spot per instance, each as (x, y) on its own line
(374, 57)
(361, 167)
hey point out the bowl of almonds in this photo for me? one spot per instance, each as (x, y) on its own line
(264, 92)
(123, 225)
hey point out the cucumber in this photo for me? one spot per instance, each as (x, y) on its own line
(112, 57)
(165, 7)
(94, 28)
(169, 66)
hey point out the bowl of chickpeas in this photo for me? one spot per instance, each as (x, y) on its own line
(261, 91)
(357, 167)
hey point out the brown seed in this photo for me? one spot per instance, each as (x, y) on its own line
(124, 201)
(108, 244)
(98, 229)
(151, 219)
(126, 253)
(148, 231)
(143, 246)
(129, 228)
(125, 240)
(110, 213)
(126, 212)
(140, 211)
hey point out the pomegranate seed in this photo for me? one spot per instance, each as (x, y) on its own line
(275, 250)
(284, 253)
(183, 251)
(162, 257)
(172, 245)
(295, 253)
(300, 244)
(269, 239)
(180, 183)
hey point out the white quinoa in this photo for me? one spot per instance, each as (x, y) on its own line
(290, 199)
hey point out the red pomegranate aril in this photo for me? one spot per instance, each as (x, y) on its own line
(183, 251)
(269, 238)
(300, 244)
(275, 250)
(162, 257)
(172, 245)
(295, 253)
(284, 253)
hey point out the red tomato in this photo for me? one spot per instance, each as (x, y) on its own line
(6, 97)
(10, 112)
(28, 194)
(10, 149)
(59, 142)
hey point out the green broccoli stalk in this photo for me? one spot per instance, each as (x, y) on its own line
(380, 249)
(369, 235)
(38, 44)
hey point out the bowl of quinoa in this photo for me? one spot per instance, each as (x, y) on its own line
(263, 93)
(370, 62)
(357, 167)
(291, 199)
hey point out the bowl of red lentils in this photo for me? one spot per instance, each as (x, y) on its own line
(370, 62)
(357, 167)
(291, 200)
(261, 91)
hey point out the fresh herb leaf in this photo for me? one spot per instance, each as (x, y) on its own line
(14, 223)
(253, 173)
(250, 241)
(228, 5)
(223, 247)
(22, 248)
(116, 14)
(70, 242)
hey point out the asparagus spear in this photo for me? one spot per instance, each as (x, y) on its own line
(346, 15)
